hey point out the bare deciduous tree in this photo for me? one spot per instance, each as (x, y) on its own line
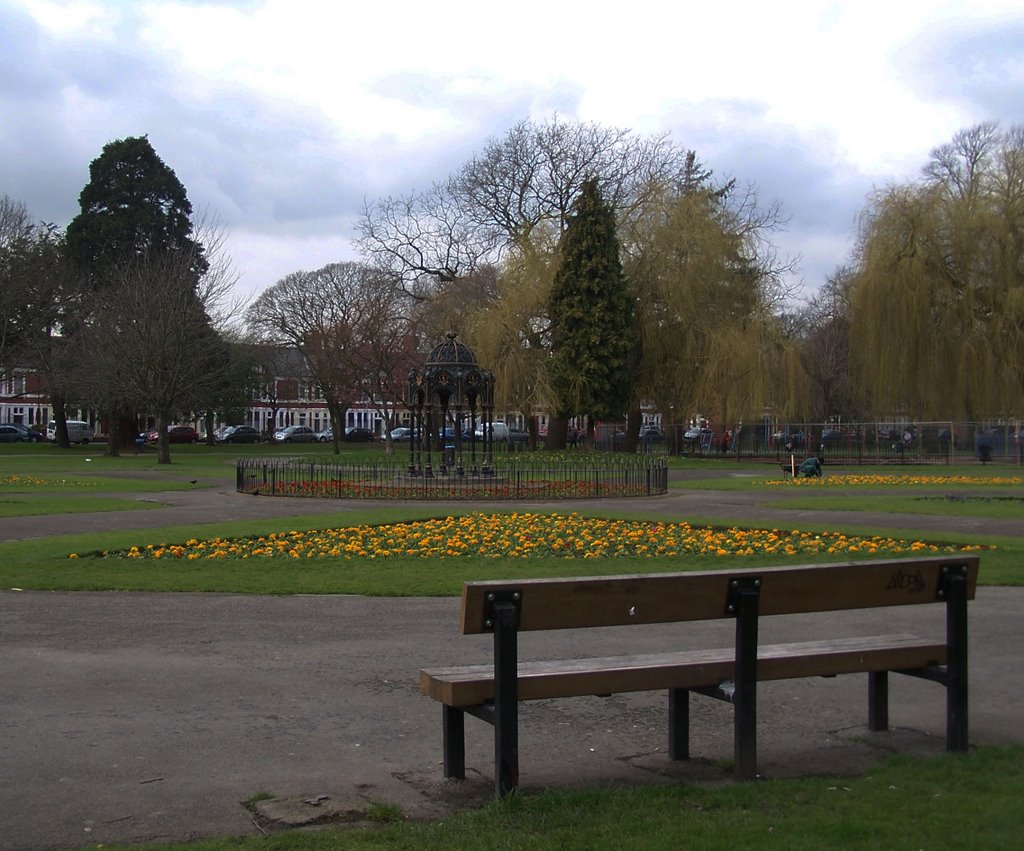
(426, 240)
(497, 200)
(38, 292)
(150, 344)
(16, 236)
(822, 330)
(335, 317)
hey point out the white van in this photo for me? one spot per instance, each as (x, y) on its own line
(79, 431)
(499, 431)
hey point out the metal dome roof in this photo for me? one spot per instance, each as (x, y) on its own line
(451, 353)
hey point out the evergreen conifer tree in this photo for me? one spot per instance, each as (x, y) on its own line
(593, 331)
(133, 204)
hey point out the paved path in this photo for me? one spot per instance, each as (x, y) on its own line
(220, 502)
(150, 717)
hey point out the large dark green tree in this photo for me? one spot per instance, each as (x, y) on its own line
(593, 326)
(150, 282)
(133, 204)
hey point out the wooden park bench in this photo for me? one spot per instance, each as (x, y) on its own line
(492, 692)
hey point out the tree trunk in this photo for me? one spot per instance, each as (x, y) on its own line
(533, 429)
(558, 430)
(163, 442)
(634, 419)
(60, 419)
(113, 436)
(337, 413)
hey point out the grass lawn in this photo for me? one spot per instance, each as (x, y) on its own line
(968, 478)
(28, 505)
(44, 563)
(45, 480)
(953, 801)
(978, 504)
(950, 801)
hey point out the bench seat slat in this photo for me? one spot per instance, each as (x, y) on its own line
(472, 685)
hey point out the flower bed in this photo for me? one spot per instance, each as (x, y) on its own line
(528, 535)
(883, 480)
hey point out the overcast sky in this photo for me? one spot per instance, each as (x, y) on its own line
(281, 118)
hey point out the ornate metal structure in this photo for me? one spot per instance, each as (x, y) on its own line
(445, 397)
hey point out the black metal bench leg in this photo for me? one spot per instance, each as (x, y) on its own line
(956, 662)
(454, 725)
(506, 700)
(745, 695)
(678, 723)
(878, 700)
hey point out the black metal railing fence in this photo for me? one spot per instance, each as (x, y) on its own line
(769, 440)
(515, 478)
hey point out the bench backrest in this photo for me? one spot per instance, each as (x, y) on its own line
(706, 595)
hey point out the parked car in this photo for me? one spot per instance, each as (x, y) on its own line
(692, 434)
(831, 437)
(697, 435)
(355, 434)
(175, 434)
(79, 431)
(790, 439)
(295, 434)
(499, 431)
(18, 433)
(237, 434)
(402, 434)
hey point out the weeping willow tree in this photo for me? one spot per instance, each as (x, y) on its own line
(511, 335)
(706, 283)
(938, 304)
(501, 314)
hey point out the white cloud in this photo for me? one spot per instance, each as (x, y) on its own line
(95, 19)
(262, 258)
(282, 116)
